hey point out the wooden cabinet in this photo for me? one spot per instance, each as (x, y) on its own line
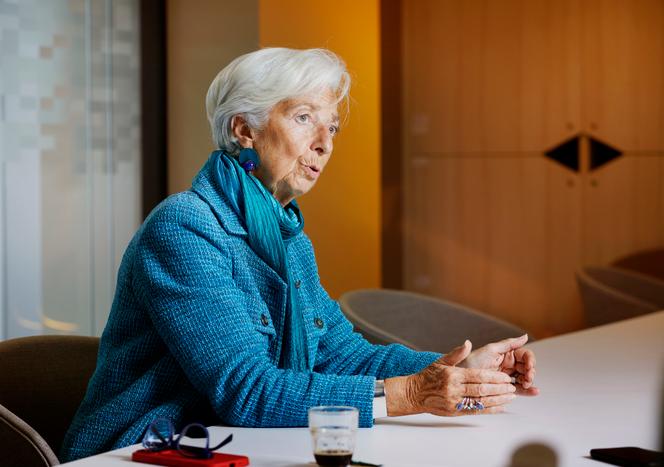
(622, 51)
(488, 88)
(498, 234)
(486, 77)
(622, 208)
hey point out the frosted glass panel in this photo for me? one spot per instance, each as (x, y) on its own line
(70, 158)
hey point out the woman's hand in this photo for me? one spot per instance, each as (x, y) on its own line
(511, 358)
(441, 386)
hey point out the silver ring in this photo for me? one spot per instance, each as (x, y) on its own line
(469, 403)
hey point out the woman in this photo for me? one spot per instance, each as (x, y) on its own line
(219, 315)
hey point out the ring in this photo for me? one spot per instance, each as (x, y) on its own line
(469, 403)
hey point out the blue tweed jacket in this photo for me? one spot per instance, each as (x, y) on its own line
(195, 330)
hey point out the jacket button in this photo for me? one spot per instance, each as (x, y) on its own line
(298, 284)
(319, 323)
(264, 320)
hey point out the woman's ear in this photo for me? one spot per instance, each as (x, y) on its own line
(242, 132)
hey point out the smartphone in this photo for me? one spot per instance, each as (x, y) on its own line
(629, 456)
(171, 457)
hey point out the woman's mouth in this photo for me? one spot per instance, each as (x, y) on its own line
(312, 171)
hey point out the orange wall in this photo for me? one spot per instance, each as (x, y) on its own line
(342, 212)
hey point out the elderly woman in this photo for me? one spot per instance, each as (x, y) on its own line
(219, 314)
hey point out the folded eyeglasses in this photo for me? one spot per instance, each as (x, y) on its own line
(160, 436)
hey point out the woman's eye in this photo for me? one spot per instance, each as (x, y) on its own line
(303, 118)
(334, 130)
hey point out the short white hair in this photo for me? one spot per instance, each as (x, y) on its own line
(252, 84)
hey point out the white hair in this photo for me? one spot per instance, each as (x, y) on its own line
(252, 84)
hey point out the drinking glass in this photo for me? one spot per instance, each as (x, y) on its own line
(333, 431)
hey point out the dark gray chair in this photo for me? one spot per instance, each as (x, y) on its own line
(44, 379)
(648, 262)
(612, 294)
(22, 445)
(420, 322)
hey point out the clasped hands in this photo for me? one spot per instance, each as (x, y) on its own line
(485, 374)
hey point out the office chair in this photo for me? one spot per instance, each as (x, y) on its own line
(649, 262)
(611, 294)
(44, 379)
(21, 444)
(420, 322)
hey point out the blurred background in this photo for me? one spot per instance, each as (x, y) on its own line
(494, 148)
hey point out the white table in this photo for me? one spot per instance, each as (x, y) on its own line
(599, 388)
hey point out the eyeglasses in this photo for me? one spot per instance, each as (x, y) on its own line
(160, 436)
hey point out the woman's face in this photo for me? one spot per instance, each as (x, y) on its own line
(295, 144)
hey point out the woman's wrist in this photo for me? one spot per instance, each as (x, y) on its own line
(398, 396)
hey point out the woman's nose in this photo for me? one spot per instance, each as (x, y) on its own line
(322, 142)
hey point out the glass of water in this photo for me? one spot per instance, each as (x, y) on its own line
(333, 431)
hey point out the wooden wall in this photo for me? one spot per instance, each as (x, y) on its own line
(488, 87)
(201, 40)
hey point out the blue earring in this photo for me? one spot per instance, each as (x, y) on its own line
(249, 159)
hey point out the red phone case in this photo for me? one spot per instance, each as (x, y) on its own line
(171, 457)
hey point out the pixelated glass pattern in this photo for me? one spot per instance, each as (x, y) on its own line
(69, 160)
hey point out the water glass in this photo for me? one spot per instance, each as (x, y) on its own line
(333, 431)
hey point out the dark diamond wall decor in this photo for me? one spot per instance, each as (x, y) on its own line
(601, 153)
(566, 153)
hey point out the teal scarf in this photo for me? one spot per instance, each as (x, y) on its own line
(269, 226)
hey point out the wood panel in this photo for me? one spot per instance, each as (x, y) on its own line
(499, 234)
(550, 80)
(623, 102)
(447, 230)
(498, 84)
(562, 253)
(622, 207)
(623, 72)
(489, 86)
(450, 203)
(494, 76)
